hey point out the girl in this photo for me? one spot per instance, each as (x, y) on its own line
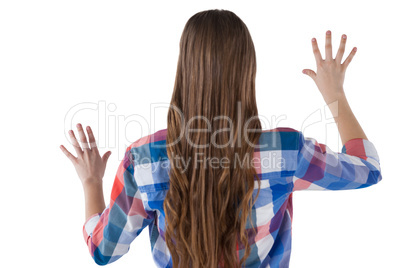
(214, 188)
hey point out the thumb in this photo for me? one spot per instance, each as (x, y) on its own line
(106, 156)
(310, 73)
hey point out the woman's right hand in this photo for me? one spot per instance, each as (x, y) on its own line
(330, 72)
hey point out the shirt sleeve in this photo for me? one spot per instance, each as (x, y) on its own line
(108, 234)
(319, 168)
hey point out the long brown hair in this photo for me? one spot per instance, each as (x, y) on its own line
(207, 207)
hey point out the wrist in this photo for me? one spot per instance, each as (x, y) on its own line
(92, 183)
(334, 97)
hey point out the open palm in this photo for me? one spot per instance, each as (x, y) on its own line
(89, 165)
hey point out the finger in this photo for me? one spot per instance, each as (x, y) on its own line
(341, 49)
(349, 58)
(68, 154)
(83, 138)
(316, 50)
(91, 138)
(328, 46)
(310, 73)
(75, 143)
(106, 156)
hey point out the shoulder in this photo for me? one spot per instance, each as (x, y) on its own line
(276, 154)
(150, 148)
(158, 137)
(281, 138)
(154, 140)
(151, 163)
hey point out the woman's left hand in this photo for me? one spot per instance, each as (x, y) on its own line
(89, 165)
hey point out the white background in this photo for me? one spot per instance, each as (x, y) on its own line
(58, 54)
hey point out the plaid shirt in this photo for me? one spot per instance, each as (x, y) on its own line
(286, 162)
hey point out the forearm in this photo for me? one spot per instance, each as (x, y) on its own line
(94, 200)
(348, 126)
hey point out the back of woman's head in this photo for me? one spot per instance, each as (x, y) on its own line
(212, 127)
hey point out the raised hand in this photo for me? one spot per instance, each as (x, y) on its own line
(89, 165)
(330, 72)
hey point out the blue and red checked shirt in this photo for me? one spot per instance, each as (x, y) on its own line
(285, 162)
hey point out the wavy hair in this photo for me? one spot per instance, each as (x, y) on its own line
(212, 179)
